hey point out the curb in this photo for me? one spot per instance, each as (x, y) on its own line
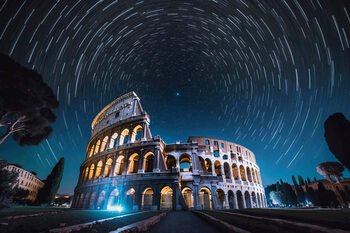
(224, 226)
(140, 226)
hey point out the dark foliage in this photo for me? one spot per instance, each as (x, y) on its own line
(19, 195)
(26, 103)
(337, 135)
(8, 181)
(46, 195)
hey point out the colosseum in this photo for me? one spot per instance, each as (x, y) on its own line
(126, 167)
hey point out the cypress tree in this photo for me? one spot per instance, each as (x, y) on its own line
(315, 179)
(294, 181)
(301, 181)
(46, 195)
(308, 180)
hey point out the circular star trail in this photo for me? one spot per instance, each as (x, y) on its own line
(265, 74)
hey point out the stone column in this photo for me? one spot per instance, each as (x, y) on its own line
(156, 161)
(244, 204)
(140, 168)
(194, 163)
(195, 192)
(213, 168)
(143, 138)
(111, 173)
(227, 205)
(235, 202)
(125, 165)
(251, 201)
(223, 173)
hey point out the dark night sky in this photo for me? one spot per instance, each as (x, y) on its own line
(265, 74)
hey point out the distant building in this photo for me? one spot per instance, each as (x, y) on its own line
(126, 166)
(26, 180)
(63, 200)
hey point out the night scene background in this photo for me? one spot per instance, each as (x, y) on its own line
(264, 74)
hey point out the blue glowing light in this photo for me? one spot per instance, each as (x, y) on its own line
(118, 208)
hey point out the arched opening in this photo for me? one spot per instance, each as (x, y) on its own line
(235, 171)
(133, 163)
(254, 200)
(97, 147)
(240, 201)
(98, 169)
(86, 200)
(148, 160)
(241, 169)
(221, 197)
(231, 199)
(92, 200)
(104, 143)
(208, 165)
(108, 166)
(253, 175)
(249, 175)
(101, 200)
(119, 165)
(124, 137)
(166, 198)
(91, 150)
(225, 157)
(185, 163)
(91, 172)
(188, 196)
(86, 173)
(217, 167)
(201, 160)
(227, 171)
(205, 198)
(130, 199)
(136, 134)
(113, 199)
(248, 204)
(170, 161)
(147, 199)
(112, 142)
(80, 201)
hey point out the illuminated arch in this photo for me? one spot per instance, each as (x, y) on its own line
(170, 161)
(166, 198)
(133, 163)
(86, 173)
(221, 197)
(235, 171)
(91, 150)
(112, 141)
(242, 171)
(188, 196)
(254, 201)
(104, 144)
(148, 161)
(253, 175)
(185, 163)
(124, 137)
(113, 199)
(208, 165)
(119, 165)
(136, 134)
(98, 169)
(100, 200)
(147, 199)
(108, 166)
(217, 167)
(130, 200)
(91, 172)
(248, 204)
(205, 198)
(249, 175)
(97, 146)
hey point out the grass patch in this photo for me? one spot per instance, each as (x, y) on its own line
(252, 225)
(114, 224)
(333, 218)
(50, 221)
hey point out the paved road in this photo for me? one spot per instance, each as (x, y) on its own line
(182, 222)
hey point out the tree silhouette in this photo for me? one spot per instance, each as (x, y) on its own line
(26, 103)
(337, 135)
(330, 169)
(46, 195)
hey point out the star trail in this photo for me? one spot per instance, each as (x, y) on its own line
(265, 74)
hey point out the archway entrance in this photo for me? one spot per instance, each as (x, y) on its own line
(240, 200)
(101, 200)
(247, 199)
(130, 199)
(188, 196)
(231, 199)
(255, 203)
(113, 199)
(221, 197)
(205, 198)
(147, 198)
(166, 198)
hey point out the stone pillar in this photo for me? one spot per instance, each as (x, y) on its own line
(111, 173)
(195, 192)
(223, 173)
(213, 168)
(144, 125)
(251, 201)
(103, 168)
(156, 199)
(125, 165)
(141, 169)
(94, 173)
(244, 204)
(156, 161)
(235, 202)
(194, 163)
(227, 205)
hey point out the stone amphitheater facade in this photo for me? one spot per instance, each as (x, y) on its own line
(125, 166)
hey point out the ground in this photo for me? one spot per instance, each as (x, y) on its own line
(252, 220)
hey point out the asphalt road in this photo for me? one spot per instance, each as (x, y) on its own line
(182, 222)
